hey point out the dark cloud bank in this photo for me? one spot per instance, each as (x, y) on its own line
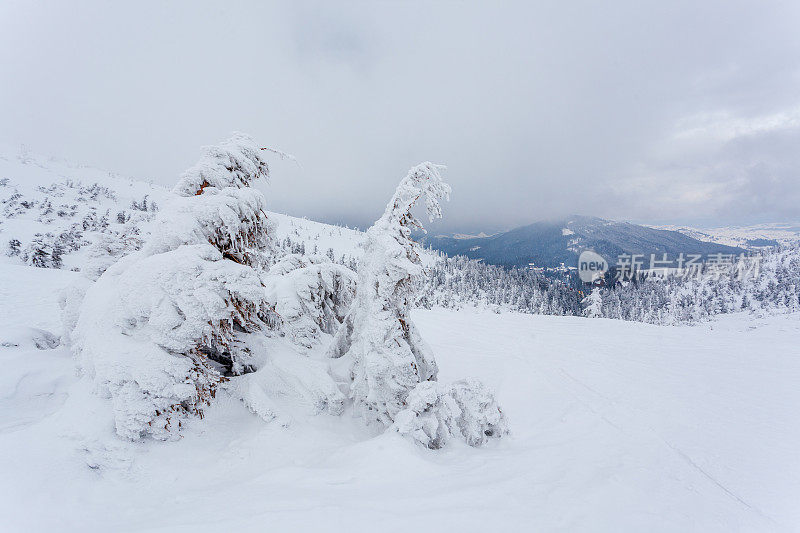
(678, 112)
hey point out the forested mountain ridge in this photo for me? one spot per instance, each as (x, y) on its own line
(549, 243)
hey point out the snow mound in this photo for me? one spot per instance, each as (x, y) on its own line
(29, 338)
(300, 381)
(311, 294)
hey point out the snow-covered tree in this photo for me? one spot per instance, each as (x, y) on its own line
(388, 357)
(311, 294)
(436, 413)
(455, 282)
(109, 247)
(13, 247)
(766, 282)
(593, 304)
(162, 328)
(39, 252)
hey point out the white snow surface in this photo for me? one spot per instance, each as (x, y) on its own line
(617, 426)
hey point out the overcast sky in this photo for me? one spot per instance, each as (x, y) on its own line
(660, 112)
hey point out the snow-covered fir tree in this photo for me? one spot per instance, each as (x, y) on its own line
(593, 304)
(389, 356)
(392, 370)
(162, 328)
(13, 247)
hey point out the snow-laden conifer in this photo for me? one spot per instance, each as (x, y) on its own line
(390, 363)
(765, 282)
(162, 327)
(593, 304)
(389, 356)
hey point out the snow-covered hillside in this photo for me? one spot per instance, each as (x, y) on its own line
(552, 244)
(82, 209)
(615, 426)
(618, 426)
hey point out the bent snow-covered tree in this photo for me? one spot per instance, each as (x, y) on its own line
(162, 328)
(387, 356)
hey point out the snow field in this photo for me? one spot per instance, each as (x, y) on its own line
(616, 426)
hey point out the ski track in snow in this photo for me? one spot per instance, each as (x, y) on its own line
(616, 426)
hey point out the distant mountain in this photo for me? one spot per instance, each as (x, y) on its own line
(749, 237)
(548, 244)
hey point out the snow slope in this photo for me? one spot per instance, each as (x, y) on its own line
(616, 426)
(77, 191)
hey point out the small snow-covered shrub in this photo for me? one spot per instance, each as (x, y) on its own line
(44, 251)
(108, 248)
(29, 338)
(162, 328)
(392, 368)
(428, 415)
(13, 247)
(435, 413)
(480, 417)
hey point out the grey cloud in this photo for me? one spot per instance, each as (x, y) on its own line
(539, 110)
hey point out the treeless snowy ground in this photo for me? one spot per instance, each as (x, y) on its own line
(616, 426)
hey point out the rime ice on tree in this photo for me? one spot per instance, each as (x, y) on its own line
(390, 362)
(389, 357)
(161, 328)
